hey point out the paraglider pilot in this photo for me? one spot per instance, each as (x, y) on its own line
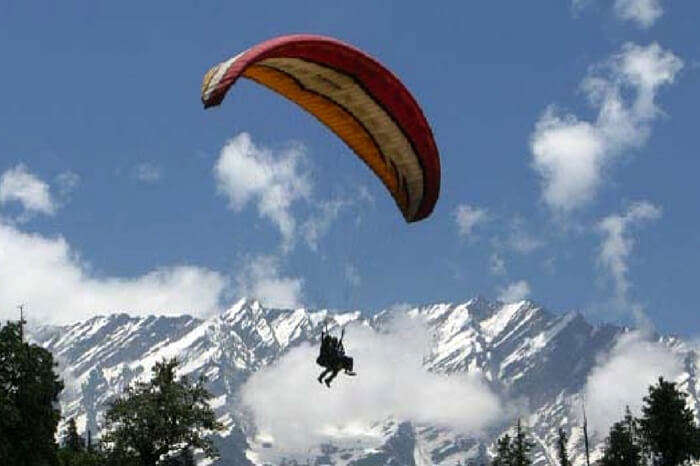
(332, 357)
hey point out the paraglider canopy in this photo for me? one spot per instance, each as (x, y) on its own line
(357, 98)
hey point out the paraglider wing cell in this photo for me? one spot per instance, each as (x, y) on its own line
(357, 98)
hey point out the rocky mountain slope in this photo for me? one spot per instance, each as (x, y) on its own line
(523, 352)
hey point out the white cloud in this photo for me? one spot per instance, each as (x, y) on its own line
(520, 240)
(352, 275)
(497, 265)
(516, 239)
(617, 244)
(19, 185)
(580, 4)
(58, 287)
(467, 217)
(514, 292)
(524, 243)
(571, 155)
(634, 363)
(643, 12)
(274, 181)
(147, 173)
(568, 155)
(316, 226)
(261, 279)
(67, 181)
(390, 382)
(364, 194)
(400, 307)
(549, 265)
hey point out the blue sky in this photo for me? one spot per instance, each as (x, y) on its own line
(566, 132)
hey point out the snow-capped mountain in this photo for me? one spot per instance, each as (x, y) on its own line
(523, 352)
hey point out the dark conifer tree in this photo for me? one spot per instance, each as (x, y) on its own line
(521, 447)
(622, 446)
(668, 427)
(89, 441)
(184, 458)
(188, 457)
(72, 440)
(503, 451)
(561, 449)
(29, 413)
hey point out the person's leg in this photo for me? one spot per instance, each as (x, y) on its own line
(331, 377)
(323, 374)
(348, 365)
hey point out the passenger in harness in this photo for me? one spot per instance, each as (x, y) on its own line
(324, 356)
(332, 357)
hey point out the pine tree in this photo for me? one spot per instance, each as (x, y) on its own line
(622, 446)
(89, 441)
(668, 426)
(68, 457)
(187, 457)
(29, 389)
(72, 440)
(521, 447)
(503, 452)
(160, 418)
(183, 458)
(561, 447)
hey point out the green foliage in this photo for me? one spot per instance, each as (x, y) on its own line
(522, 446)
(503, 452)
(68, 457)
(514, 451)
(29, 412)
(622, 446)
(561, 449)
(74, 452)
(72, 440)
(116, 457)
(184, 458)
(160, 418)
(668, 427)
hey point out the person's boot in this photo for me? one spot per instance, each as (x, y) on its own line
(320, 378)
(328, 383)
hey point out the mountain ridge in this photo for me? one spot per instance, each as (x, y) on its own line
(522, 351)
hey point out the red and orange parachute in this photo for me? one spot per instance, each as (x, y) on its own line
(357, 98)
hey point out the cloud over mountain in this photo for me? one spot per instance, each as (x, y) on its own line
(572, 156)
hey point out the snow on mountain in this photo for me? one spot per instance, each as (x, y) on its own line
(537, 359)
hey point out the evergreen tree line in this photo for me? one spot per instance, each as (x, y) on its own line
(164, 420)
(666, 434)
(158, 422)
